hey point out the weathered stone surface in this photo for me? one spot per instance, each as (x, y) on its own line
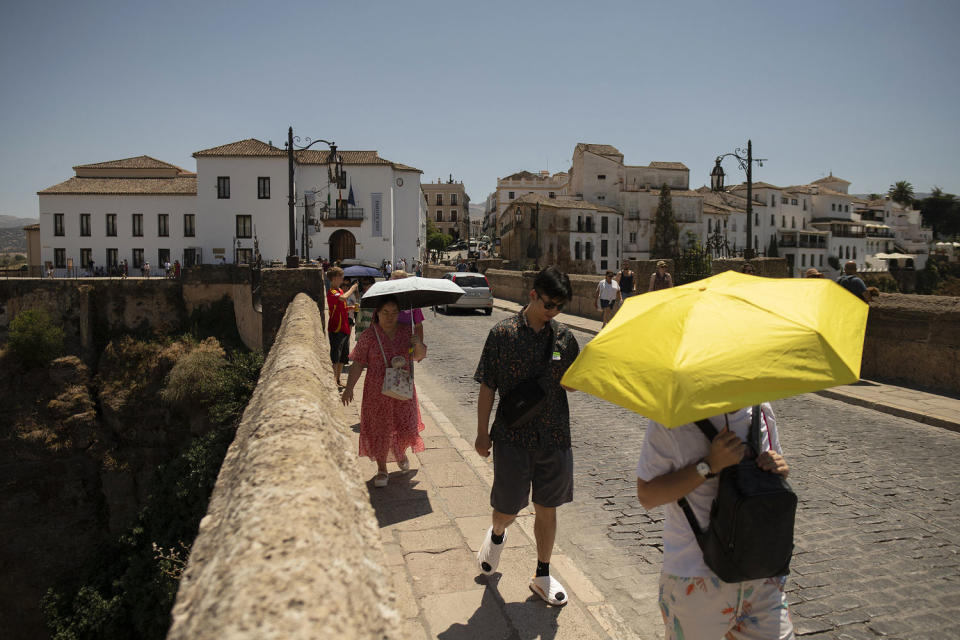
(289, 547)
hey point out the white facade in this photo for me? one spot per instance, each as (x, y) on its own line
(236, 203)
(69, 249)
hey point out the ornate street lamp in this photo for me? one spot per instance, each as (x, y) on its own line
(337, 176)
(746, 164)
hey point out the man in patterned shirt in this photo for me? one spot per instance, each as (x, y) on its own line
(527, 345)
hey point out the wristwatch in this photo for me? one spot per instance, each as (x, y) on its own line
(703, 468)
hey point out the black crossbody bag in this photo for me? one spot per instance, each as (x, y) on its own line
(750, 535)
(526, 399)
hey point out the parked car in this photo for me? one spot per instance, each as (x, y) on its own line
(478, 294)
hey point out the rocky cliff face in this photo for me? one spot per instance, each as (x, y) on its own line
(78, 451)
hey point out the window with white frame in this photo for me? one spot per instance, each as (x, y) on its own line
(189, 225)
(58, 224)
(263, 188)
(163, 225)
(84, 224)
(453, 200)
(137, 225)
(439, 199)
(223, 187)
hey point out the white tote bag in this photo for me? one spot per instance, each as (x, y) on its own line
(397, 382)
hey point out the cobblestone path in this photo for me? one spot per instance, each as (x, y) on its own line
(878, 530)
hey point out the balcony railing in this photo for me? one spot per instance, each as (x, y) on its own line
(346, 213)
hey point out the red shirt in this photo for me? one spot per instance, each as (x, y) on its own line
(338, 312)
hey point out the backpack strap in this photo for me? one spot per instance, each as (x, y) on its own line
(708, 430)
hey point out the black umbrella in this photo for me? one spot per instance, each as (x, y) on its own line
(413, 292)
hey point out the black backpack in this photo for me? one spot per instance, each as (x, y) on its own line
(751, 520)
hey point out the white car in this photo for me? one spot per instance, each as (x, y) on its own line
(478, 294)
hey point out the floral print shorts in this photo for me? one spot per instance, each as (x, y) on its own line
(710, 609)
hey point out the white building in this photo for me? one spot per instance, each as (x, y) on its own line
(136, 209)
(141, 209)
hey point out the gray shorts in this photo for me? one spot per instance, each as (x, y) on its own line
(515, 470)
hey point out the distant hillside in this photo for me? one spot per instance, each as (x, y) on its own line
(13, 240)
(10, 222)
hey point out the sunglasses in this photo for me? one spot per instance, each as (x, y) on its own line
(550, 305)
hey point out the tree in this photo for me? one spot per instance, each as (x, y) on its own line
(942, 212)
(874, 196)
(901, 192)
(772, 251)
(666, 231)
(34, 339)
(436, 240)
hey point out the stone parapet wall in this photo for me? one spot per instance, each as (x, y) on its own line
(290, 546)
(915, 341)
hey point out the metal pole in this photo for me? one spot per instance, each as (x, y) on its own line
(537, 263)
(292, 261)
(749, 252)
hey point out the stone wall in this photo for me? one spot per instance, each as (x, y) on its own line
(89, 307)
(289, 547)
(914, 341)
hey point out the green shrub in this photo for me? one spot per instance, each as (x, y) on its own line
(195, 376)
(34, 339)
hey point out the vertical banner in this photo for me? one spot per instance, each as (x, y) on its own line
(377, 215)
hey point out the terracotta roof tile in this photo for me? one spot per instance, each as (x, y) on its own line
(252, 147)
(182, 185)
(248, 147)
(756, 185)
(599, 149)
(830, 178)
(139, 162)
(668, 165)
(562, 203)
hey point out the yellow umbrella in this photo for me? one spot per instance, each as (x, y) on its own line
(723, 343)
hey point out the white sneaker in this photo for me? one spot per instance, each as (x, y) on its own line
(489, 555)
(549, 589)
(381, 480)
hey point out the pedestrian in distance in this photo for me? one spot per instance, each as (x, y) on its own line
(608, 295)
(532, 451)
(660, 279)
(682, 463)
(410, 317)
(812, 272)
(388, 426)
(338, 326)
(626, 279)
(748, 269)
(852, 283)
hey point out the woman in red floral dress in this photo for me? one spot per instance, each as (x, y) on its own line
(387, 426)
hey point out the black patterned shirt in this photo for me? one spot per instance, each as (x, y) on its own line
(515, 352)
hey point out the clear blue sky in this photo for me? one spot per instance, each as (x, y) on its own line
(869, 90)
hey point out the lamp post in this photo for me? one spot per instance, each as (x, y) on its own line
(518, 221)
(746, 164)
(336, 175)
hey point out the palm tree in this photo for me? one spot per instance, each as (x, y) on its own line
(901, 192)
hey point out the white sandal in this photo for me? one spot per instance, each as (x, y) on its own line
(549, 589)
(381, 479)
(489, 555)
(404, 465)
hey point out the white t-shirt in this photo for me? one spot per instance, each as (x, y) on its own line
(665, 450)
(608, 290)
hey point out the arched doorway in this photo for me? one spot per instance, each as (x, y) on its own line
(342, 245)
